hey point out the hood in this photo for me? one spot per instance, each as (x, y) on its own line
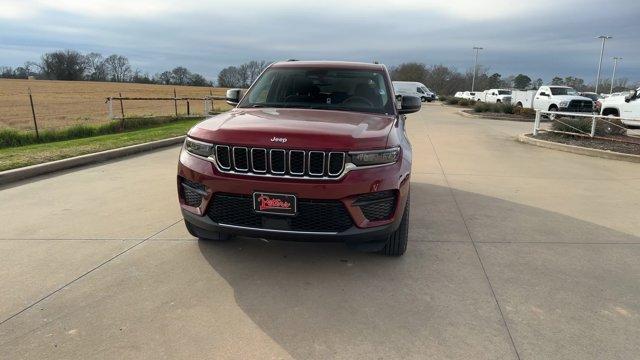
(569, 97)
(302, 129)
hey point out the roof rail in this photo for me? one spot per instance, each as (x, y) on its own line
(292, 59)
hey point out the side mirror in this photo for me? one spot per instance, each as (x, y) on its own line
(234, 96)
(631, 96)
(409, 104)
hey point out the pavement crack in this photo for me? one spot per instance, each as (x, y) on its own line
(86, 273)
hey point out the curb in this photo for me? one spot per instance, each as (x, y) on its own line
(26, 172)
(525, 138)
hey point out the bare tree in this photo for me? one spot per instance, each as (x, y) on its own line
(230, 77)
(180, 75)
(96, 67)
(163, 78)
(241, 76)
(118, 68)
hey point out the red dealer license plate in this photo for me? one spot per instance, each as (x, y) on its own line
(269, 203)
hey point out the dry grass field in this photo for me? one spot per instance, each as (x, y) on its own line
(60, 104)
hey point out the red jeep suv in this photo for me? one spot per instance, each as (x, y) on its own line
(313, 151)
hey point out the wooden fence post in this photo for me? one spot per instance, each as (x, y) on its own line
(33, 112)
(175, 102)
(121, 110)
(188, 109)
(110, 108)
(211, 94)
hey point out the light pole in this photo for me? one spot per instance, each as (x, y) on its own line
(475, 67)
(604, 39)
(613, 77)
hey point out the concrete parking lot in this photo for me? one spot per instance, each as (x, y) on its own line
(515, 252)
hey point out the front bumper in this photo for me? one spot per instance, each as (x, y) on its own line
(346, 190)
(206, 228)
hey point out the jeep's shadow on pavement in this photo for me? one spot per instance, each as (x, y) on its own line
(558, 282)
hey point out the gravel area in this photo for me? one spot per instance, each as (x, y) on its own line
(632, 147)
(500, 116)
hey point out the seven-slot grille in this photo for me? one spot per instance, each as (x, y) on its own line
(580, 106)
(280, 162)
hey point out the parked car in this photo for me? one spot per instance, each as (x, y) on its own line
(625, 106)
(414, 89)
(313, 151)
(553, 98)
(458, 94)
(496, 96)
(596, 98)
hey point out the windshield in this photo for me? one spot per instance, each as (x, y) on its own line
(426, 89)
(562, 91)
(504, 92)
(332, 89)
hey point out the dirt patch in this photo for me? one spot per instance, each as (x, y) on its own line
(630, 146)
(60, 104)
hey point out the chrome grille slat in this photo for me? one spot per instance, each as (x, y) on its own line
(294, 167)
(276, 152)
(223, 157)
(313, 164)
(261, 167)
(340, 156)
(238, 158)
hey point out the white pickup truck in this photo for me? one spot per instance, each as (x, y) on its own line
(552, 98)
(494, 96)
(626, 106)
(469, 95)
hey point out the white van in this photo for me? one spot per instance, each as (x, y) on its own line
(414, 89)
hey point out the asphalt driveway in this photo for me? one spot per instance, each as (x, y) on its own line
(515, 252)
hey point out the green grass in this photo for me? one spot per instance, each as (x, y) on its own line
(15, 157)
(12, 137)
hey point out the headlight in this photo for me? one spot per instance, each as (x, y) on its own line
(563, 104)
(374, 157)
(198, 147)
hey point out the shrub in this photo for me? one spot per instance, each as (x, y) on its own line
(518, 110)
(444, 98)
(481, 107)
(453, 100)
(506, 108)
(609, 126)
(466, 102)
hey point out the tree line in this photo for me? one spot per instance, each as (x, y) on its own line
(444, 80)
(447, 81)
(73, 65)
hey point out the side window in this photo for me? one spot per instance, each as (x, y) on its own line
(419, 90)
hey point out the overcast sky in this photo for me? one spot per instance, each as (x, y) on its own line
(541, 38)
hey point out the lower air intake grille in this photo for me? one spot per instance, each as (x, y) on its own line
(377, 206)
(313, 215)
(192, 192)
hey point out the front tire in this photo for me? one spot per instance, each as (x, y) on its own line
(397, 243)
(553, 117)
(423, 99)
(203, 235)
